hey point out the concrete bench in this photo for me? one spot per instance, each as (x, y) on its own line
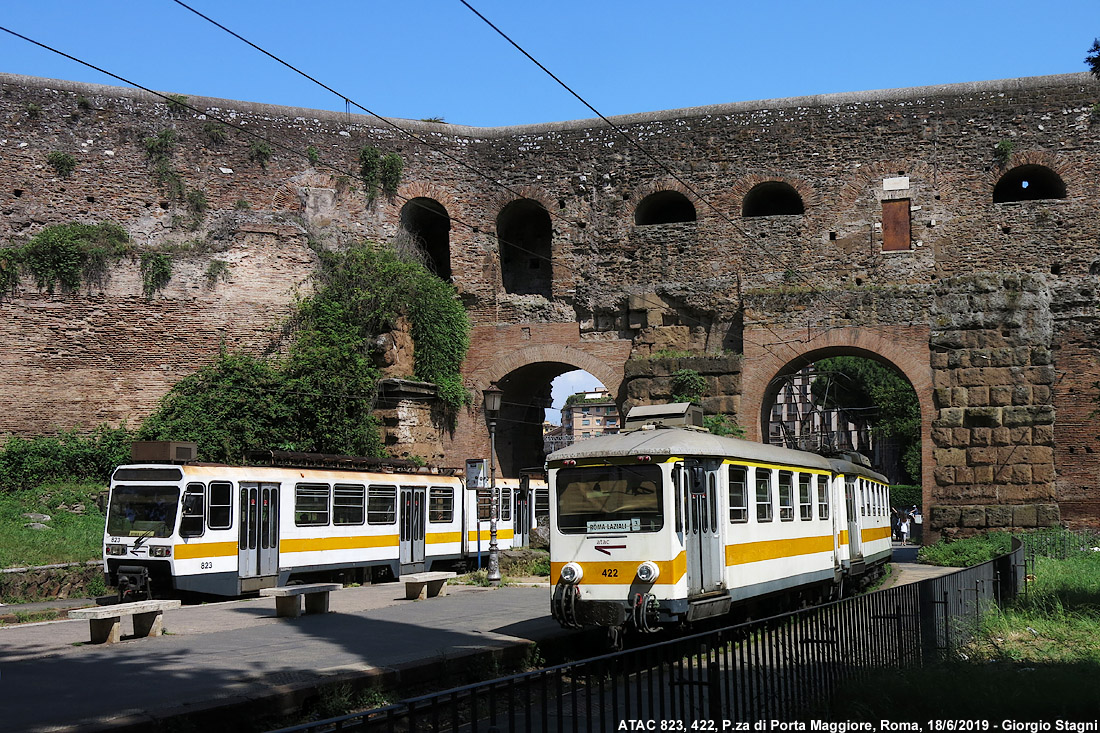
(426, 585)
(106, 621)
(288, 598)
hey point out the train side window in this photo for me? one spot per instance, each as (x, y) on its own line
(311, 505)
(763, 495)
(193, 510)
(382, 505)
(441, 505)
(220, 503)
(505, 498)
(739, 500)
(805, 497)
(863, 492)
(347, 503)
(786, 496)
(822, 496)
(712, 498)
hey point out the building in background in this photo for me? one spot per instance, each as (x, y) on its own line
(585, 415)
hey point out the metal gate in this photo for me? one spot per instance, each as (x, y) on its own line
(258, 544)
(413, 508)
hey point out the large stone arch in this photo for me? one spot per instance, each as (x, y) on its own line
(770, 354)
(525, 374)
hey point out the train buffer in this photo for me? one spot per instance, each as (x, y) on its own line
(106, 621)
(288, 598)
(426, 585)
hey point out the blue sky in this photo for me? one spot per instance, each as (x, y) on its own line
(435, 58)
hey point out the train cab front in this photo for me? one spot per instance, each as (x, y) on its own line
(615, 559)
(139, 536)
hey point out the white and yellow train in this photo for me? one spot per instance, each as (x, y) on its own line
(229, 530)
(666, 525)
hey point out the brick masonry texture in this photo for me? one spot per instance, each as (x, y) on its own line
(991, 313)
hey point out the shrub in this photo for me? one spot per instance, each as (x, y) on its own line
(260, 153)
(177, 104)
(156, 271)
(688, 385)
(964, 553)
(215, 132)
(196, 202)
(34, 111)
(390, 170)
(68, 456)
(159, 147)
(83, 104)
(66, 254)
(723, 425)
(242, 205)
(62, 163)
(216, 270)
(1003, 152)
(370, 170)
(313, 155)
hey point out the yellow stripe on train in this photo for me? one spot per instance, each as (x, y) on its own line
(622, 572)
(875, 533)
(775, 549)
(502, 534)
(317, 544)
(196, 550)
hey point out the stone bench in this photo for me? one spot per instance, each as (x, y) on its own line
(106, 621)
(426, 585)
(288, 598)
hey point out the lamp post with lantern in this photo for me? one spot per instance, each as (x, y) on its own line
(493, 395)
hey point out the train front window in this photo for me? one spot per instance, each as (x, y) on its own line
(610, 499)
(138, 511)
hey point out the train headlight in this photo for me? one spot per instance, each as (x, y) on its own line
(648, 572)
(116, 549)
(160, 551)
(571, 573)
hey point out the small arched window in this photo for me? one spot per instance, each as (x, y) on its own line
(1029, 183)
(772, 198)
(526, 235)
(427, 222)
(664, 207)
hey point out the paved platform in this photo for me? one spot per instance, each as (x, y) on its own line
(52, 679)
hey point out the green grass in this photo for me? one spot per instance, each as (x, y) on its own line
(1038, 659)
(71, 537)
(966, 552)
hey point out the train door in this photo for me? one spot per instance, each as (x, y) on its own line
(258, 542)
(522, 520)
(852, 504)
(702, 542)
(413, 506)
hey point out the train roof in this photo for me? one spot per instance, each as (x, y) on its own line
(671, 441)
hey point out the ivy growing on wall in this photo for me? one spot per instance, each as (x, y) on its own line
(65, 256)
(379, 171)
(156, 271)
(688, 385)
(320, 396)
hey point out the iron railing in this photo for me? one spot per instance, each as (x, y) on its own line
(777, 668)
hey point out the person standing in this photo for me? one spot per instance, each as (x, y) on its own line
(903, 528)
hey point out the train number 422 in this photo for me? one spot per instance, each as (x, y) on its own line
(610, 572)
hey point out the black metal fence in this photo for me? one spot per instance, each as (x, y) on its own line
(777, 668)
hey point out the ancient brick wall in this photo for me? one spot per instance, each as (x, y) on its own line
(769, 287)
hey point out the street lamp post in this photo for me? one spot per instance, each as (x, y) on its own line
(492, 406)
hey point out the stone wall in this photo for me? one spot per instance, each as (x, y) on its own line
(1011, 284)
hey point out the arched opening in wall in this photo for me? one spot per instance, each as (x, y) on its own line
(847, 400)
(1029, 183)
(525, 233)
(772, 198)
(547, 406)
(428, 225)
(664, 207)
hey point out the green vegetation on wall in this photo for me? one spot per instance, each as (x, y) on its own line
(68, 456)
(62, 163)
(688, 385)
(156, 271)
(379, 171)
(65, 256)
(320, 396)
